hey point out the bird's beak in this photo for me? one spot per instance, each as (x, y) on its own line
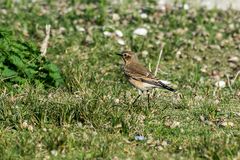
(120, 54)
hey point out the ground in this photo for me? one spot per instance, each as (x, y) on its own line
(91, 115)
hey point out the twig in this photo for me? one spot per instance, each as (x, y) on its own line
(233, 81)
(45, 41)
(150, 67)
(159, 57)
(235, 78)
(3, 79)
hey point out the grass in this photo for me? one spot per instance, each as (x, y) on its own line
(91, 116)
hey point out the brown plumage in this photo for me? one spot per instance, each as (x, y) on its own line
(138, 75)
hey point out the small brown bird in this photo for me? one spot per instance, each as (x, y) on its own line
(139, 76)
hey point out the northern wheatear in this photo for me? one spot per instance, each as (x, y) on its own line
(139, 76)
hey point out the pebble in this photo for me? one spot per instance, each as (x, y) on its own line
(121, 41)
(139, 138)
(233, 59)
(144, 15)
(107, 34)
(140, 31)
(186, 6)
(227, 124)
(115, 17)
(80, 29)
(220, 84)
(119, 33)
(144, 53)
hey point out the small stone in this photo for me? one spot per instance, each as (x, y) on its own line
(164, 143)
(139, 138)
(220, 84)
(4, 11)
(167, 123)
(161, 5)
(115, 17)
(119, 33)
(140, 31)
(197, 58)
(145, 53)
(39, 145)
(178, 54)
(107, 34)
(219, 36)
(116, 101)
(121, 41)
(62, 30)
(54, 152)
(157, 42)
(231, 124)
(232, 26)
(233, 65)
(30, 128)
(238, 94)
(233, 59)
(160, 36)
(89, 39)
(202, 118)
(204, 69)
(216, 101)
(80, 29)
(175, 124)
(79, 124)
(144, 15)
(46, 157)
(150, 141)
(186, 6)
(25, 124)
(217, 47)
(115, 158)
(216, 74)
(160, 148)
(227, 124)
(237, 114)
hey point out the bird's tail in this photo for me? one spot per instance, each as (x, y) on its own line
(165, 86)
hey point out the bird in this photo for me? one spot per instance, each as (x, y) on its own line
(139, 76)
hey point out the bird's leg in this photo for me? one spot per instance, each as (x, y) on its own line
(148, 94)
(139, 94)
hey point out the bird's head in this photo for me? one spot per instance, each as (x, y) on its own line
(128, 56)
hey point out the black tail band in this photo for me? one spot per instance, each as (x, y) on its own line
(166, 87)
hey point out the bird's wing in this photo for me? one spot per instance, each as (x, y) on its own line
(137, 71)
